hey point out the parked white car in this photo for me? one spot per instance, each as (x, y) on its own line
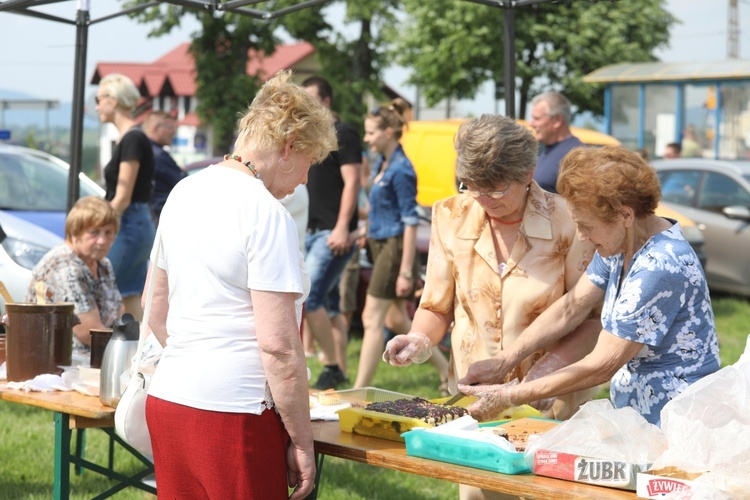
(22, 244)
(716, 195)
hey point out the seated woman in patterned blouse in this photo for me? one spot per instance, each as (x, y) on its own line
(78, 271)
(658, 334)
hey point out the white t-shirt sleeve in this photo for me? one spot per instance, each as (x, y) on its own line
(273, 254)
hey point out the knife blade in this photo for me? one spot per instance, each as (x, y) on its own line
(454, 399)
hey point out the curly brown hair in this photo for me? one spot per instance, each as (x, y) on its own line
(603, 180)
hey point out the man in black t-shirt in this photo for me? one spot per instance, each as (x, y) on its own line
(333, 186)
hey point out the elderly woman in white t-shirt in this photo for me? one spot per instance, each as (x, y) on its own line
(228, 407)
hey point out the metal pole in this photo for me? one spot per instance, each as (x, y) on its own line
(79, 83)
(509, 59)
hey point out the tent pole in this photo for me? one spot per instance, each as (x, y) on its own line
(79, 82)
(509, 59)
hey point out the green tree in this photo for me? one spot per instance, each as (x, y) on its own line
(454, 46)
(352, 65)
(224, 89)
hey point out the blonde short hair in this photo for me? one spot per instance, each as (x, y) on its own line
(283, 111)
(87, 213)
(121, 88)
(603, 180)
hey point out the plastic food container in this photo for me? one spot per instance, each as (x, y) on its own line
(470, 453)
(359, 397)
(377, 424)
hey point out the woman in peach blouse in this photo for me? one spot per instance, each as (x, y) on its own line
(501, 252)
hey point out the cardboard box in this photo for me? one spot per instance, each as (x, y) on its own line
(589, 470)
(671, 482)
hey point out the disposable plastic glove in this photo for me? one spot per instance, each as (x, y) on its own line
(549, 363)
(404, 350)
(489, 371)
(491, 401)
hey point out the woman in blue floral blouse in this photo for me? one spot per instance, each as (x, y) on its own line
(658, 332)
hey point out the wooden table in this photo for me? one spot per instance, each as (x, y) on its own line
(76, 411)
(331, 441)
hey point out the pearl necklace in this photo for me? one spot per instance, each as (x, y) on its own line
(248, 164)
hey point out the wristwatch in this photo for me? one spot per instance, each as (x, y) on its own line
(406, 274)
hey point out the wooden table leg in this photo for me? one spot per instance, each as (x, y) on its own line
(62, 456)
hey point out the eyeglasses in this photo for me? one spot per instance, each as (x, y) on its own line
(100, 98)
(476, 194)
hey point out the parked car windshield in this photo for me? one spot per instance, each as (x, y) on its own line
(34, 183)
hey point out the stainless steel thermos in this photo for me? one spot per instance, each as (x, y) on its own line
(117, 358)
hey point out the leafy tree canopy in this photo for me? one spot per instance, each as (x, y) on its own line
(352, 64)
(454, 46)
(220, 49)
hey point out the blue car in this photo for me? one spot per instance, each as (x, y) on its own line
(34, 187)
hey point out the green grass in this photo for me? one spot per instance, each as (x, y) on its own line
(27, 435)
(733, 326)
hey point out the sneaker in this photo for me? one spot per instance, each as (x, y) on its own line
(330, 378)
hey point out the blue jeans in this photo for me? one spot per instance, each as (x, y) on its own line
(325, 270)
(131, 250)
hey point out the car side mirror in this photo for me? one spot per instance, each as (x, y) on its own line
(2, 235)
(737, 212)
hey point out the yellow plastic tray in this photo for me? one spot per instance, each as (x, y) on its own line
(512, 413)
(377, 424)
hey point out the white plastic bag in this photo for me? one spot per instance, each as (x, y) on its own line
(130, 414)
(598, 430)
(708, 428)
(599, 445)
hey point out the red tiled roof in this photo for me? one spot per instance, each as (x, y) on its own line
(179, 57)
(176, 68)
(183, 82)
(284, 57)
(154, 82)
(191, 119)
(134, 71)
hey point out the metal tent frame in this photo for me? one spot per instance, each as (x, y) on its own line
(83, 20)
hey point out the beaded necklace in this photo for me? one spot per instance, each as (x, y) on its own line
(248, 164)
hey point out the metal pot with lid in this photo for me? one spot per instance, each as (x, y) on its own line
(39, 339)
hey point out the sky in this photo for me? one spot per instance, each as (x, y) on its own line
(37, 56)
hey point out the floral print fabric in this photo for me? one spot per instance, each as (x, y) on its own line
(68, 279)
(492, 304)
(663, 302)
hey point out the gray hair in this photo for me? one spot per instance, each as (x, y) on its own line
(121, 88)
(492, 150)
(557, 104)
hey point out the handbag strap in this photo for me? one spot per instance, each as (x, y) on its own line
(147, 309)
